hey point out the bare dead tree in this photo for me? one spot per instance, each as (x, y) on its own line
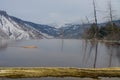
(84, 43)
(110, 12)
(85, 28)
(62, 33)
(96, 33)
(87, 20)
(95, 19)
(95, 11)
(111, 15)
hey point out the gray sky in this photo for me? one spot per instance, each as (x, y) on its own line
(57, 11)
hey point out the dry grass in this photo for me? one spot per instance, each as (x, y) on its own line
(59, 72)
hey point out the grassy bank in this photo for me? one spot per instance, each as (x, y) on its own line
(58, 72)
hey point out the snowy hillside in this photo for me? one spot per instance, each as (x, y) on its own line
(14, 28)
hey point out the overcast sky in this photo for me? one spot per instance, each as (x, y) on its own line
(57, 11)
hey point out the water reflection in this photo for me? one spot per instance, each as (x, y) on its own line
(89, 48)
(113, 51)
(62, 44)
(59, 53)
(3, 44)
(110, 52)
(94, 50)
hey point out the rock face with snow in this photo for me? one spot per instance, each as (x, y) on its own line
(15, 28)
(10, 29)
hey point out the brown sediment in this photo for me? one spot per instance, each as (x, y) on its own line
(29, 46)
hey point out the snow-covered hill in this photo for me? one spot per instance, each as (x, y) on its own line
(15, 28)
(11, 29)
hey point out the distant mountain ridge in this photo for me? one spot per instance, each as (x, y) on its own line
(15, 28)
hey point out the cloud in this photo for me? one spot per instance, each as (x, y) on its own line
(55, 11)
